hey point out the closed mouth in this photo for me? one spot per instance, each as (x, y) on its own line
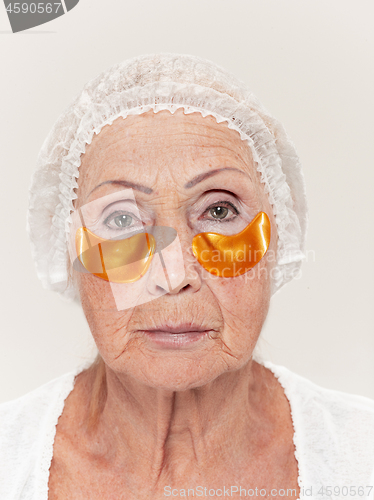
(177, 329)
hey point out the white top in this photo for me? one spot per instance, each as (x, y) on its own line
(333, 437)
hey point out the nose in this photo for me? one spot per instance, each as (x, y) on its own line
(175, 269)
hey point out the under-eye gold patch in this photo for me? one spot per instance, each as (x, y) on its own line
(229, 256)
(127, 260)
(118, 261)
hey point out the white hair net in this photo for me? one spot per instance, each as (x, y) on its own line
(161, 82)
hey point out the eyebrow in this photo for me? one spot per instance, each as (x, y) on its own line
(147, 190)
(126, 184)
(206, 175)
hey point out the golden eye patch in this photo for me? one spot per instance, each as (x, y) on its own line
(126, 259)
(229, 256)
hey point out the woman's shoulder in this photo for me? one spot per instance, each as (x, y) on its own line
(334, 430)
(27, 431)
(303, 391)
(34, 405)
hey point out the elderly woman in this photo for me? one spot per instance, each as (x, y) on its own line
(171, 206)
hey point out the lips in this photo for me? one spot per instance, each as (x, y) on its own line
(176, 329)
(181, 336)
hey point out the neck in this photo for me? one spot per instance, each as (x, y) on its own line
(166, 436)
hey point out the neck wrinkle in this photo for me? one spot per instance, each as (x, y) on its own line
(170, 434)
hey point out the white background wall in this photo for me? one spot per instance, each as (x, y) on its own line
(310, 63)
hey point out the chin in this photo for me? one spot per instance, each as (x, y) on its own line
(178, 371)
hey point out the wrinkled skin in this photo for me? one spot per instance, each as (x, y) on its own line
(202, 413)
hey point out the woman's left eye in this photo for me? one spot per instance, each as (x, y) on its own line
(222, 210)
(219, 212)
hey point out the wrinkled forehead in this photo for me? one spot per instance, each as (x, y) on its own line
(163, 150)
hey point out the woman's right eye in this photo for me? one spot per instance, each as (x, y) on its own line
(123, 220)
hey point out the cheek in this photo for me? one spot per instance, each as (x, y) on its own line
(244, 303)
(95, 293)
(108, 325)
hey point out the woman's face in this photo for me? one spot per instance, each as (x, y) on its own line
(194, 175)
